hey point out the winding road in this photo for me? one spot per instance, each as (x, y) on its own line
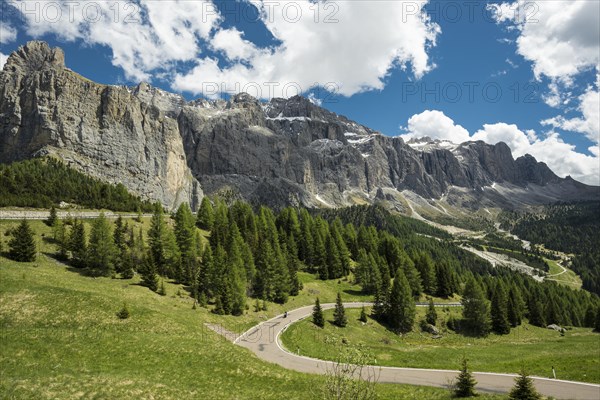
(264, 341)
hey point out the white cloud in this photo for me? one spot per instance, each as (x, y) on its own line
(561, 157)
(354, 54)
(3, 59)
(560, 38)
(344, 46)
(588, 123)
(436, 125)
(144, 36)
(7, 33)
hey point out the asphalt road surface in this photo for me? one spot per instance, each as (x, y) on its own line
(263, 340)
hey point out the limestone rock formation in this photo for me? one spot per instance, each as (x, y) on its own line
(281, 152)
(113, 133)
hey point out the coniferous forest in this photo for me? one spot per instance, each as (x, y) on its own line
(45, 182)
(258, 253)
(570, 228)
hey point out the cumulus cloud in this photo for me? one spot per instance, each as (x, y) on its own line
(144, 35)
(436, 125)
(7, 33)
(561, 157)
(348, 47)
(560, 38)
(344, 46)
(589, 121)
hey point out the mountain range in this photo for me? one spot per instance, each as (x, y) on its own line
(280, 152)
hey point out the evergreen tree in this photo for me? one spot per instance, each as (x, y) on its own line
(524, 389)
(589, 320)
(499, 310)
(400, 310)
(205, 218)
(363, 315)
(78, 244)
(444, 280)
(515, 307)
(465, 383)
(22, 245)
(317, 315)
(61, 238)
(411, 273)
(334, 263)
(148, 274)
(120, 244)
(431, 315)
(206, 274)
(597, 323)
(236, 274)
(156, 239)
(339, 314)
(101, 249)
(536, 311)
(379, 304)
(476, 312)
(52, 217)
(426, 269)
(185, 235)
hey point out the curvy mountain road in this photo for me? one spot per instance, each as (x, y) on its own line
(263, 340)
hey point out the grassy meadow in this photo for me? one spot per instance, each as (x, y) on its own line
(575, 356)
(60, 338)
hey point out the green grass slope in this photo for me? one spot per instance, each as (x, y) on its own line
(575, 356)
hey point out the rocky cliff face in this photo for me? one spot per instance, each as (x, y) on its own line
(286, 151)
(113, 133)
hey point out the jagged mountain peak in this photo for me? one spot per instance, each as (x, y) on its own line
(35, 56)
(280, 152)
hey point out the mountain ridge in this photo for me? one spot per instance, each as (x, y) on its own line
(282, 152)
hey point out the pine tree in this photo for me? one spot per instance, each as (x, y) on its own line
(400, 310)
(101, 249)
(363, 315)
(536, 311)
(339, 314)
(156, 238)
(444, 280)
(120, 244)
(524, 389)
(334, 264)
(589, 320)
(465, 383)
(515, 307)
(317, 315)
(476, 312)
(499, 311)
(236, 272)
(78, 244)
(22, 245)
(149, 275)
(185, 235)
(61, 238)
(52, 217)
(597, 323)
(426, 269)
(431, 315)
(205, 218)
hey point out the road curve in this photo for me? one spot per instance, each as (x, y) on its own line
(263, 340)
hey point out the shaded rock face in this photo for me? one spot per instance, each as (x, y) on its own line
(286, 151)
(112, 133)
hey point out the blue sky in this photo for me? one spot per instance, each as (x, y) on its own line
(522, 72)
